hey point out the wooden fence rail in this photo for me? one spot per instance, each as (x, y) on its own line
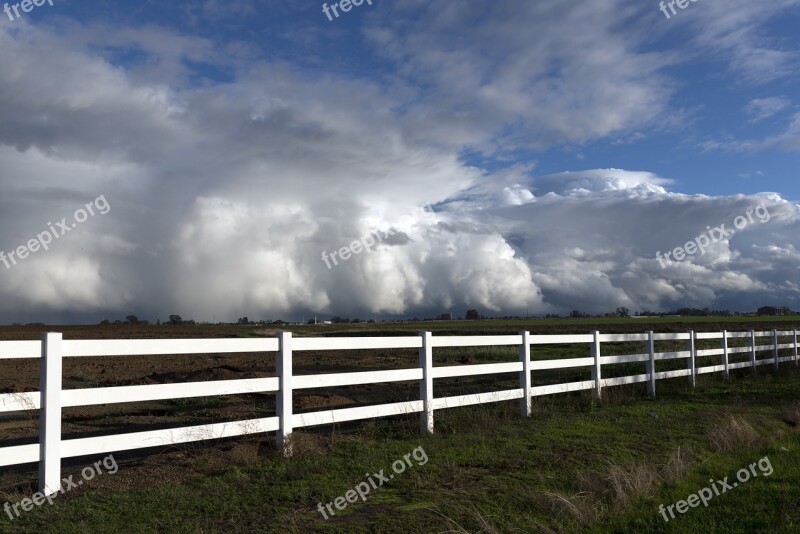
(52, 398)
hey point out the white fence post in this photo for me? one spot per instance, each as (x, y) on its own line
(693, 358)
(775, 364)
(725, 356)
(284, 401)
(651, 364)
(597, 375)
(795, 347)
(525, 406)
(426, 384)
(753, 351)
(50, 375)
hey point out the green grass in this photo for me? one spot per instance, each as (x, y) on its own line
(490, 470)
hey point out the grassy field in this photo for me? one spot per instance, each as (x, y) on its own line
(514, 325)
(577, 465)
(537, 326)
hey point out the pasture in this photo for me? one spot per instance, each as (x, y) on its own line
(489, 469)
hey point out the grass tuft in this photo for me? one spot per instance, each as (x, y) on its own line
(631, 482)
(732, 434)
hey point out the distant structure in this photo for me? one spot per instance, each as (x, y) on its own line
(768, 310)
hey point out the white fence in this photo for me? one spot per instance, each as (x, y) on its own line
(52, 398)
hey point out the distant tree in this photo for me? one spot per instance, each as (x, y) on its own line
(132, 319)
(473, 315)
(623, 312)
(243, 320)
(576, 314)
(158, 322)
(175, 319)
(105, 322)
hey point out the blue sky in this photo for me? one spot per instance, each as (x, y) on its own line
(239, 140)
(708, 95)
